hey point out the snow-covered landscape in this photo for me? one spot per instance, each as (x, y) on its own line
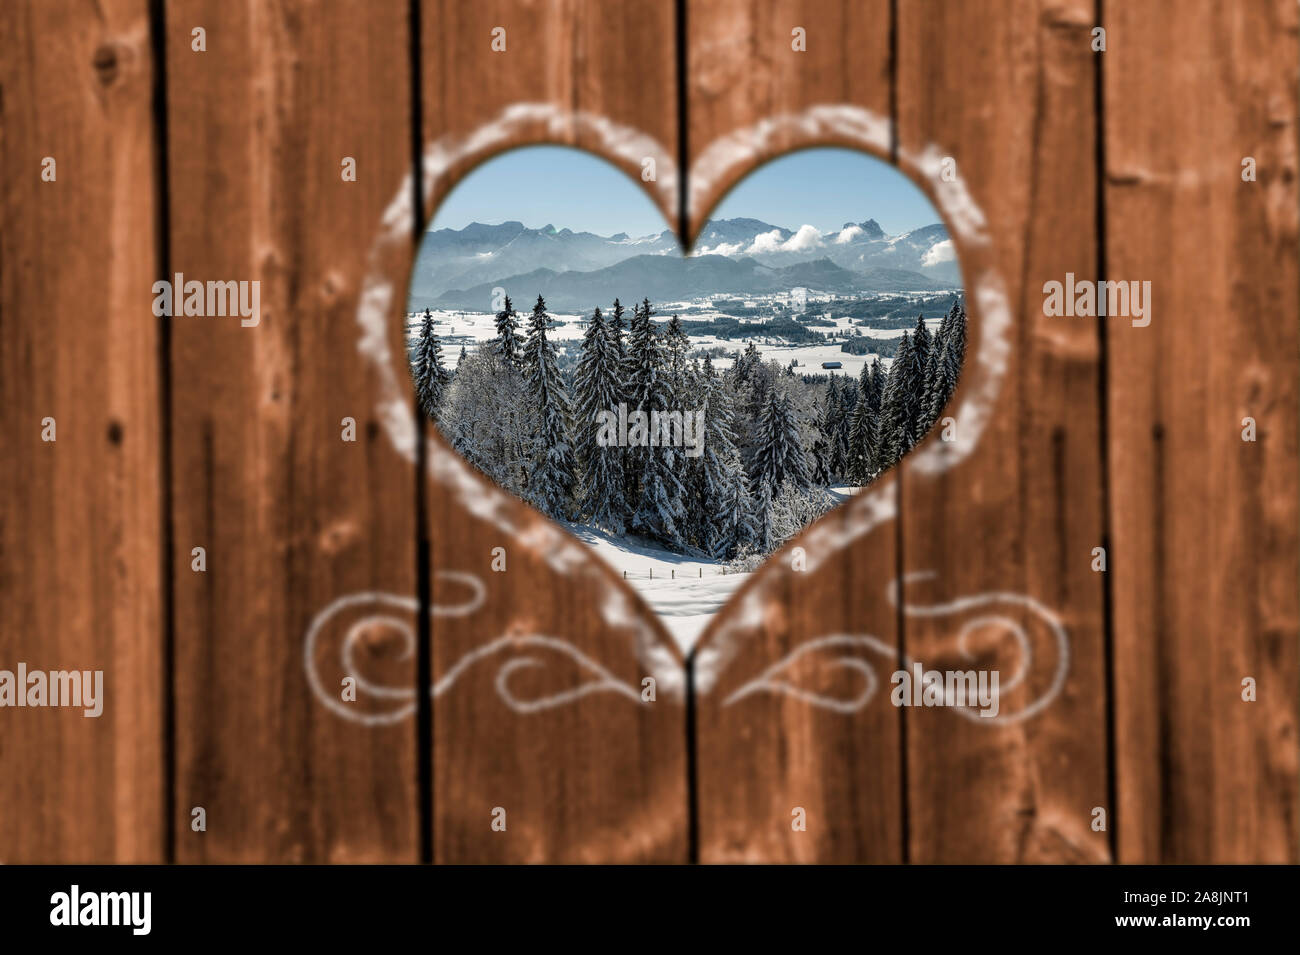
(684, 590)
(684, 416)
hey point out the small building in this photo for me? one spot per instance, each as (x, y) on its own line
(831, 364)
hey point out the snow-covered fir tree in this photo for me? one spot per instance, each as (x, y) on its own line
(618, 336)
(929, 376)
(677, 346)
(873, 382)
(779, 455)
(951, 344)
(899, 406)
(833, 427)
(597, 387)
(746, 363)
(509, 347)
(726, 507)
(426, 367)
(863, 454)
(551, 478)
(659, 510)
(957, 334)
(823, 448)
(921, 339)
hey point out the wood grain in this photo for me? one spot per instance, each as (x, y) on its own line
(602, 778)
(80, 517)
(1204, 565)
(1103, 434)
(292, 516)
(742, 69)
(765, 755)
(1022, 514)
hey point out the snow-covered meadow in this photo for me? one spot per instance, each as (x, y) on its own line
(456, 328)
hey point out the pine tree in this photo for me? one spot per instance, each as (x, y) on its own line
(617, 328)
(863, 452)
(827, 460)
(551, 479)
(508, 345)
(779, 455)
(677, 347)
(921, 339)
(726, 507)
(848, 398)
(952, 346)
(426, 368)
(820, 454)
(942, 383)
(598, 387)
(746, 363)
(660, 510)
(645, 361)
(929, 380)
(957, 335)
(899, 406)
(875, 385)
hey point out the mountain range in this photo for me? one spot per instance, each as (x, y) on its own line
(459, 268)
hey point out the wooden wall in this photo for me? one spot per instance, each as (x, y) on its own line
(180, 433)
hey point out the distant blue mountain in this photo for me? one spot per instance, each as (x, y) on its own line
(454, 265)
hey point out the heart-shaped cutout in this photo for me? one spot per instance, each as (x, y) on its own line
(685, 415)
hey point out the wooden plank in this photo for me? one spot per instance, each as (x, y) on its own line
(1204, 564)
(742, 69)
(292, 517)
(762, 755)
(80, 517)
(602, 778)
(1007, 91)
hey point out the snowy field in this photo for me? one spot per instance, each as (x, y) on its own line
(684, 591)
(457, 328)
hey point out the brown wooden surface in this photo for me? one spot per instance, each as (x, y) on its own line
(604, 778)
(81, 518)
(188, 432)
(1022, 514)
(291, 515)
(763, 756)
(1204, 524)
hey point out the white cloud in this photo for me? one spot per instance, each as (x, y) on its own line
(939, 252)
(848, 234)
(766, 242)
(722, 248)
(808, 237)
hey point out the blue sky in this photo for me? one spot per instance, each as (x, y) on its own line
(569, 188)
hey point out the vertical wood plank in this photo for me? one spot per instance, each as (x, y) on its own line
(80, 517)
(602, 778)
(1007, 90)
(742, 69)
(762, 755)
(292, 517)
(1204, 565)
